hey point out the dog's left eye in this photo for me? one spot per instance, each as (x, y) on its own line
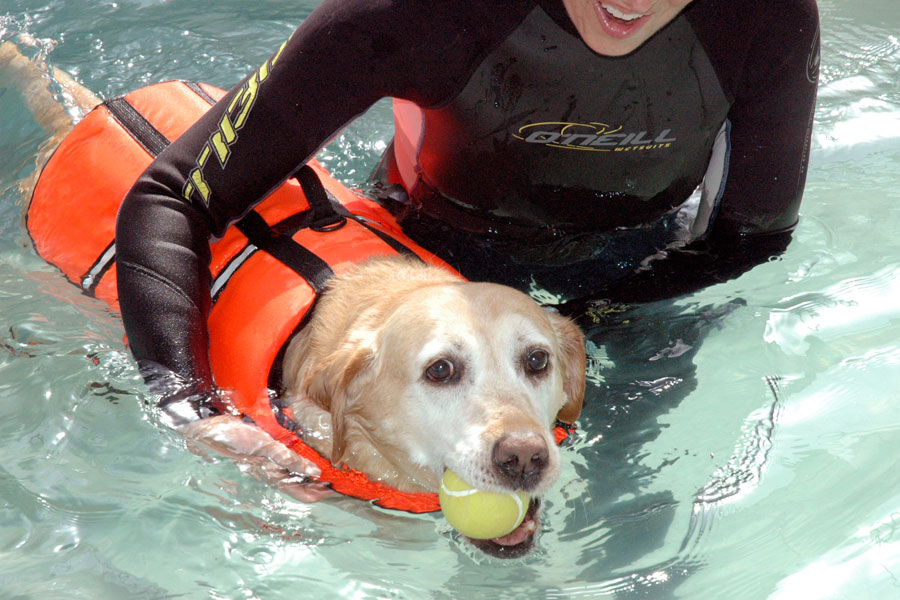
(537, 360)
(440, 371)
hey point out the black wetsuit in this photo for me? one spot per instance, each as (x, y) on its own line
(541, 163)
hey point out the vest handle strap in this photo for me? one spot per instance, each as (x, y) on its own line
(323, 216)
(302, 261)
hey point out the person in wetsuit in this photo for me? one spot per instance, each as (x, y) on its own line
(630, 149)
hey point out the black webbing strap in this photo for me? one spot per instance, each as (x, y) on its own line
(398, 246)
(198, 89)
(301, 260)
(327, 216)
(323, 217)
(140, 128)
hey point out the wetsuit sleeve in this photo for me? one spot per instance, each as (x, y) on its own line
(773, 85)
(771, 122)
(345, 56)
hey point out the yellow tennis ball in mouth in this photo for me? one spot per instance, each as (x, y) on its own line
(479, 514)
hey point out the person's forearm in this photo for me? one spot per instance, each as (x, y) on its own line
(162, 256)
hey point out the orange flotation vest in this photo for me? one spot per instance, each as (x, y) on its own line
(267, 269)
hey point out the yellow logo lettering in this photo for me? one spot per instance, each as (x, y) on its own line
(223, 139)
(593, 137)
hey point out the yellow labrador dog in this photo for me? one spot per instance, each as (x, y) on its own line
(404, 370)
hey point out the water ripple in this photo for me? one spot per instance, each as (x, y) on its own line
(861, 309)
(859, 102)
(745, 469)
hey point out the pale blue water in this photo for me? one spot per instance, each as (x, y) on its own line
(761, 463)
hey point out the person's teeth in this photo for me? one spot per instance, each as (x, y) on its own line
(619, 14)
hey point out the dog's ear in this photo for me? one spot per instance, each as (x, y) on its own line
(574, 362)
(333, 386)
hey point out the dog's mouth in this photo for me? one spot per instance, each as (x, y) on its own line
(519, 541)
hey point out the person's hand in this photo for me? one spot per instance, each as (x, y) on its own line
(256, 453)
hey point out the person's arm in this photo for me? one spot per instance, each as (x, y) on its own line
(716, 258)
(346, 55)
(768, 136)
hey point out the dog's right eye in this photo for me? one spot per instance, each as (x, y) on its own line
(537, 360)
(440, 371)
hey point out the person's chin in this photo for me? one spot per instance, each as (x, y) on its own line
(618, 45)
(613, 47)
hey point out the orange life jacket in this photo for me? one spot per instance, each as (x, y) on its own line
(267, 269)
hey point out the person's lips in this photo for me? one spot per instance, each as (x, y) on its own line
(616, 22)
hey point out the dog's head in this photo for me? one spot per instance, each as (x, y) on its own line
(447, 374)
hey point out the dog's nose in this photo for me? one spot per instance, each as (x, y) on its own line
(521, 459)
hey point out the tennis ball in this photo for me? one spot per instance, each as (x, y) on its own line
(479, 514)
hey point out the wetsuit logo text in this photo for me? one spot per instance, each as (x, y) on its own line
(220, 142)
(594, 137)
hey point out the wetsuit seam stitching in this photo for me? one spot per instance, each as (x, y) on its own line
(141, 270)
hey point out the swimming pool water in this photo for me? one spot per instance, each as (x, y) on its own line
(741, 442)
